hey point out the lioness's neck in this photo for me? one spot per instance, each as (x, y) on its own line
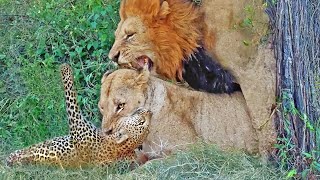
(162, 95)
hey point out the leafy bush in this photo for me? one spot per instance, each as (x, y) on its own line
(37, 37)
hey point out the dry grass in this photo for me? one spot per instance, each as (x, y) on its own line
(201, 161)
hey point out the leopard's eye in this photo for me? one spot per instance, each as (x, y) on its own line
(142, 122)
(120, 107)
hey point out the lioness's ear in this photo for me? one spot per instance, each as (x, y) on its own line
(105, 75)
(121, 136)
(164, 10)
(143, 77)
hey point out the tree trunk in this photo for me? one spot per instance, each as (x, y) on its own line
(296, 38)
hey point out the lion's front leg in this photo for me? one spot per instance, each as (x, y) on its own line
(258, 85)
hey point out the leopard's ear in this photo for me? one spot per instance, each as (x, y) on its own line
(105, 75)
(121, 136)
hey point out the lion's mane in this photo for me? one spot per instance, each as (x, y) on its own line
(176, 31)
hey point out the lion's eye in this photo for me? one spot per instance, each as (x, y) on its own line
(130, 35)
(120, 107)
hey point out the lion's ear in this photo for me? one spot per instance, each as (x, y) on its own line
(143, 77)
(164, 10)
(122, 10)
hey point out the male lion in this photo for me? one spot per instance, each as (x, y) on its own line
(180, 116)
(169, 33)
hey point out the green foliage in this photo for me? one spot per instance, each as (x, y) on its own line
(252, 24)
(36, 38)
(289, 153)
(37, 114)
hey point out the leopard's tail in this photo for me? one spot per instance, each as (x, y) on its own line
(57, 151)
(27, 155)
(75, 117)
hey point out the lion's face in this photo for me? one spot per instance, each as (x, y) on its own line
(163, 33)
(132, 47)
(121, 93)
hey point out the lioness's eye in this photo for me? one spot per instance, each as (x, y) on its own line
(120, 107)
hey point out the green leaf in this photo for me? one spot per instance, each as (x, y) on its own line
(316, 165)
(58, 52)
(246, 43)
(2, 87)
(2, 56)
(87, 78)
(40, 51)
(305, 173)
(292, 173)
(96, 16)
(103, 13)
(72, 54)
(109, 9)
(307, 155)
(103, 37)
(89, 46)
(95, 44)
(93, 25)
(247, 22)
(79, 50)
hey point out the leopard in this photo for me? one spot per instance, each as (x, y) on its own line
(86, 144)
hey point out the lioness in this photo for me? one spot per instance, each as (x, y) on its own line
(169, 33)
(180, 116)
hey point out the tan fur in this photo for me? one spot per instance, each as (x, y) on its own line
(169, 31)
(254, 66)
(180, 116)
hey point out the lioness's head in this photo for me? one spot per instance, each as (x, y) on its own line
(122, 92)
(160, 32)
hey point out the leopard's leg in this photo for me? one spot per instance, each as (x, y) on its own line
(60, 164)
(131, 158)
(59, 150)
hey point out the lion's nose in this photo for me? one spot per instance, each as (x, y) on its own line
(114, 56)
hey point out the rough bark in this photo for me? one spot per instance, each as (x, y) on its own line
(296, 31)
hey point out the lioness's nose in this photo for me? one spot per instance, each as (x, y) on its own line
(114, 56)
